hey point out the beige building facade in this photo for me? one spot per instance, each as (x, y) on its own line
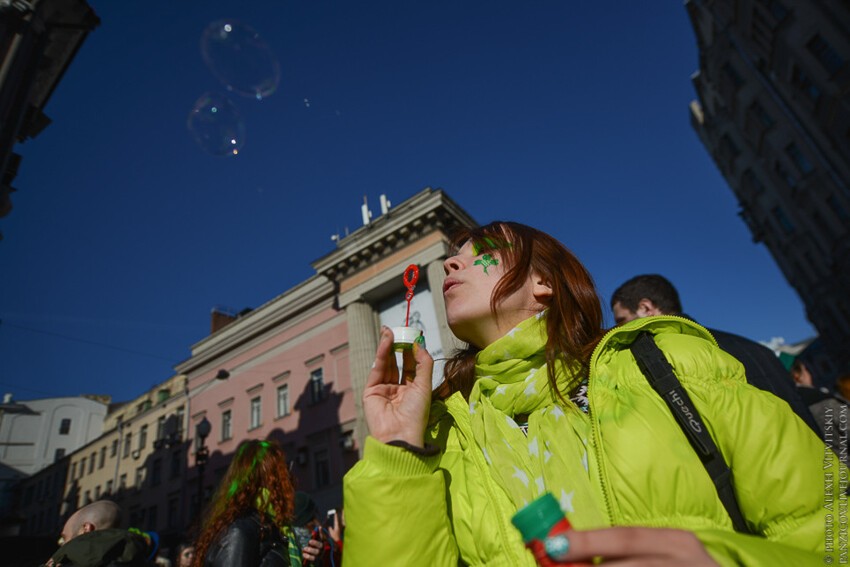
(139, 462)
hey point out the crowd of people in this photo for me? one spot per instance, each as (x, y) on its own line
(663, 442)
(255, 518)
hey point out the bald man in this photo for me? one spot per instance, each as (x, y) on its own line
(91, 538)
(100, 515)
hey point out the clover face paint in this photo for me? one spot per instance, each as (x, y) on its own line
(485, 261)
(487, 244)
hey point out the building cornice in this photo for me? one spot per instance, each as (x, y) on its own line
(317, 292)
(425, 212)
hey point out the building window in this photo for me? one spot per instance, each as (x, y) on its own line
(122, 482)
(114, 450)
(798, 158)
(776, 9)
(137, 516)
(128, 441)
(733, 75)
(752, 183)
(156, 472)
(227, 423)
(143, 437)
(109, 487)
(803, 82)
(836, 207)
(151, 525)
(140, 477)
(58, 455)
(317, 386)
(784, 174)
(783, 220)
(322, 468)
(82, 467)
(180, 413)
(255, 412)
(97, 492)
(728, 147)
(162, 395)
(761, 114)
(825, 54)
(102, 461)
(175, 464)
(173, 510)
(87, 497)
(92, 462)
(283, 400)
(73, 471)
(65, 426)
(160, 428)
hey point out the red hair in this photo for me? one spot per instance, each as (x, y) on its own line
(257, 480)
(574, 318)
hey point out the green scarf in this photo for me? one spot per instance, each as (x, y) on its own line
(511, 379)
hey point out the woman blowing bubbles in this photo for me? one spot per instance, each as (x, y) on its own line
(542, 401)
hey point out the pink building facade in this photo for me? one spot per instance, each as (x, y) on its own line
(287, 378)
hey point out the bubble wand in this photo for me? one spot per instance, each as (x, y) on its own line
(405, 336)
(410, 283)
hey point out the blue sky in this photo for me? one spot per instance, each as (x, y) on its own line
(569, 116)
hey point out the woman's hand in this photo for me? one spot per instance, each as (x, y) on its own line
(312, 551)
(634, 547)
(335, 531)
(398, 411)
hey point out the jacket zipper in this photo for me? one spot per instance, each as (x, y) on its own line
(597, 441)
(481, 465)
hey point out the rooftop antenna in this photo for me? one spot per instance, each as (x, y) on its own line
(364, 210)
(385, 205)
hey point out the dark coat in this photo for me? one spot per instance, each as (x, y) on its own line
(104, 548)
(831, 414)
(247, 543)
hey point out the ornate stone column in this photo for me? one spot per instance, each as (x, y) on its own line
(362, 344)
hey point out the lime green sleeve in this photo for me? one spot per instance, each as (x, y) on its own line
(396, 511)
(790, 486)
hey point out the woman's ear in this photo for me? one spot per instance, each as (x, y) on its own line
(541, 288)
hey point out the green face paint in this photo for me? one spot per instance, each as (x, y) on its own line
(488, 243)
(486, 260)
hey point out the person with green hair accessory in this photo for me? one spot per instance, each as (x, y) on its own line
(246, 523)
(543, 399)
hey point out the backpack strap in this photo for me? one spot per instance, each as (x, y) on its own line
(659, 373)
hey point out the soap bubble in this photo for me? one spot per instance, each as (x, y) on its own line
(216, 125)
(240, 59)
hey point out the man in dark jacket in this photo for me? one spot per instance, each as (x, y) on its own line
(652, 294)
(829, 411)
(91, 538)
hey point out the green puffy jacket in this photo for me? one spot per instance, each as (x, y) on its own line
(407, 509)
